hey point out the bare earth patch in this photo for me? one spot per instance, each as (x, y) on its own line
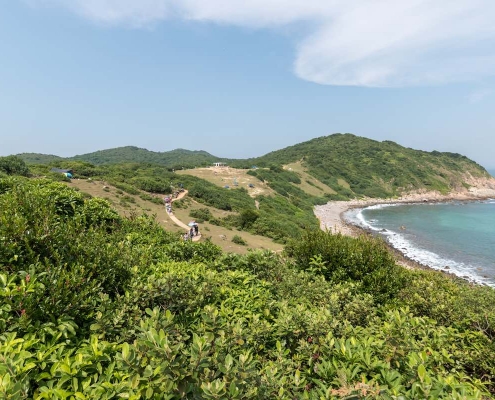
(226, 176)
(218, 235)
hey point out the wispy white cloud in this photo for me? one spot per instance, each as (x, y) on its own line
(135, 13)
(386, 43)
(478, 95)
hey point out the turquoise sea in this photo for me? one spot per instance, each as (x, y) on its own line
(458, 237)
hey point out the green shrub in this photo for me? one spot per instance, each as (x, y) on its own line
(125, 187)
(239, 240)
(57, 177)
(99, 306)
(13, 165)
(201, 215)
(339, 258)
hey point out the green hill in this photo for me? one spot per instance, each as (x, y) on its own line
(38, 158)
(178, 158)
(353, 165)
(343, 165)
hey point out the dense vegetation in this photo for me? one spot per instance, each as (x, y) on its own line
(177, 159)
(350, 165)
(13, 165)
(353, 165)
(37, 158)
(277, 217)
(98, 306)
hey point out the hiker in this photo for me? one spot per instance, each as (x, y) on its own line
(191, 233)
(196, 229)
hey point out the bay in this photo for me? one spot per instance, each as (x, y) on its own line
(458, 237)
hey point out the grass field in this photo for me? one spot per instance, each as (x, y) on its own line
(226, 176)
(309, 184)
(222, 176)
(128, 205)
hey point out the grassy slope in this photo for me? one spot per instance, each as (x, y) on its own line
(227, 176)
(135, 205)
(353, 165)
(309, 184)
(346, 165)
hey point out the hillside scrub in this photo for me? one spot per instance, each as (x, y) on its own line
(375, 169)
(340, 259)
(99, 306)
(351, 166)
(278, 218)
(13, 165)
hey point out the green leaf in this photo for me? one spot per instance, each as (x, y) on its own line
(421, 372)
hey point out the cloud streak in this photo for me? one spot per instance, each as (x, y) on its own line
(374, 43)
(478, 95)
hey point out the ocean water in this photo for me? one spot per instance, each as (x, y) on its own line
(458, 237)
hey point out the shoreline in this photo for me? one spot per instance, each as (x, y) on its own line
(331, 217)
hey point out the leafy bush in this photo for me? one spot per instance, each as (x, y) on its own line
(126, 188)
(99, 306)
(201, 215)
(13, 165)
(239, 240)
(247, 218)
(57, 177)
(340, 258)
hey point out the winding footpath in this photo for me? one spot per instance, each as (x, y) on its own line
(178, 222)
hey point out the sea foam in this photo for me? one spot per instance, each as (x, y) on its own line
(412, 251)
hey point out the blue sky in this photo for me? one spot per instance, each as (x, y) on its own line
(240, 79)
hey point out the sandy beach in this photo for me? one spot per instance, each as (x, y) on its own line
(331, 214)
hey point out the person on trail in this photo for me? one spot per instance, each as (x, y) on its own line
(196, 229)
(191, 233)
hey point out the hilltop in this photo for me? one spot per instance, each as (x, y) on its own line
(38, 158)
(356, 166)
(131, 154)
(345, 165)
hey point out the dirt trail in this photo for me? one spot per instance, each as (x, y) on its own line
(177, 222)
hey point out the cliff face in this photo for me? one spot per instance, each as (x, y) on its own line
(481, 187)
(472, 189)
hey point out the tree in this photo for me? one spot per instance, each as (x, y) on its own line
(13, 165)
(248, 218)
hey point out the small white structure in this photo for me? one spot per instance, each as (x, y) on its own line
(219, 164)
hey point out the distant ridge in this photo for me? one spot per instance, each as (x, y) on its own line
(173, 158)
(348, 164)
(38, 158)
(131, 154)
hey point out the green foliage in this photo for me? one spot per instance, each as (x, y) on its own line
(239, 240)
(371, 168)
(247, 218)
(36, 158)
(338, 258)
(201, 215)
(13, 165)
(129, 189)
(220, 198)
(450, 301)
(99, 306)
(177, 159)
(57, 177)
